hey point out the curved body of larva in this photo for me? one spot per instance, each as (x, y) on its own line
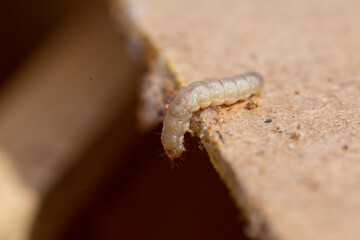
(211, 92)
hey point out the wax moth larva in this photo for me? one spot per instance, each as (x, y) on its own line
(201, 94)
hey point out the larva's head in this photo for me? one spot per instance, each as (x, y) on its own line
(178, 161)
(175, 156)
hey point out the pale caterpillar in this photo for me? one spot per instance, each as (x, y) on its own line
(201, 94)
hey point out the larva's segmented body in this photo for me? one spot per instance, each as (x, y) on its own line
(211, 92)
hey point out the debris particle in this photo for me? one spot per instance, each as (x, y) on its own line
(295, 135)
(268, 120)
(279, 128)
(252, 104)
(259, 153)
(345, 147)
(297, 92)
(201, 147)
(253, 57)
(89, 193)
(220, 136)
(311, 183)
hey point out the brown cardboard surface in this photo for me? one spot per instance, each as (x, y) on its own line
(297, 177)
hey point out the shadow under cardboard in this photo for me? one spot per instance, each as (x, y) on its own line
(146, 199)
(142, 197)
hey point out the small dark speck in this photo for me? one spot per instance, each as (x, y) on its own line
(89, 193)
(91, 79)
(260, 153)
(345, 147)
(280, 131)
(268, 120)
(253, 57)
(220, 136)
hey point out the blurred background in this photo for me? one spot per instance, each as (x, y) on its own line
(72, 162)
